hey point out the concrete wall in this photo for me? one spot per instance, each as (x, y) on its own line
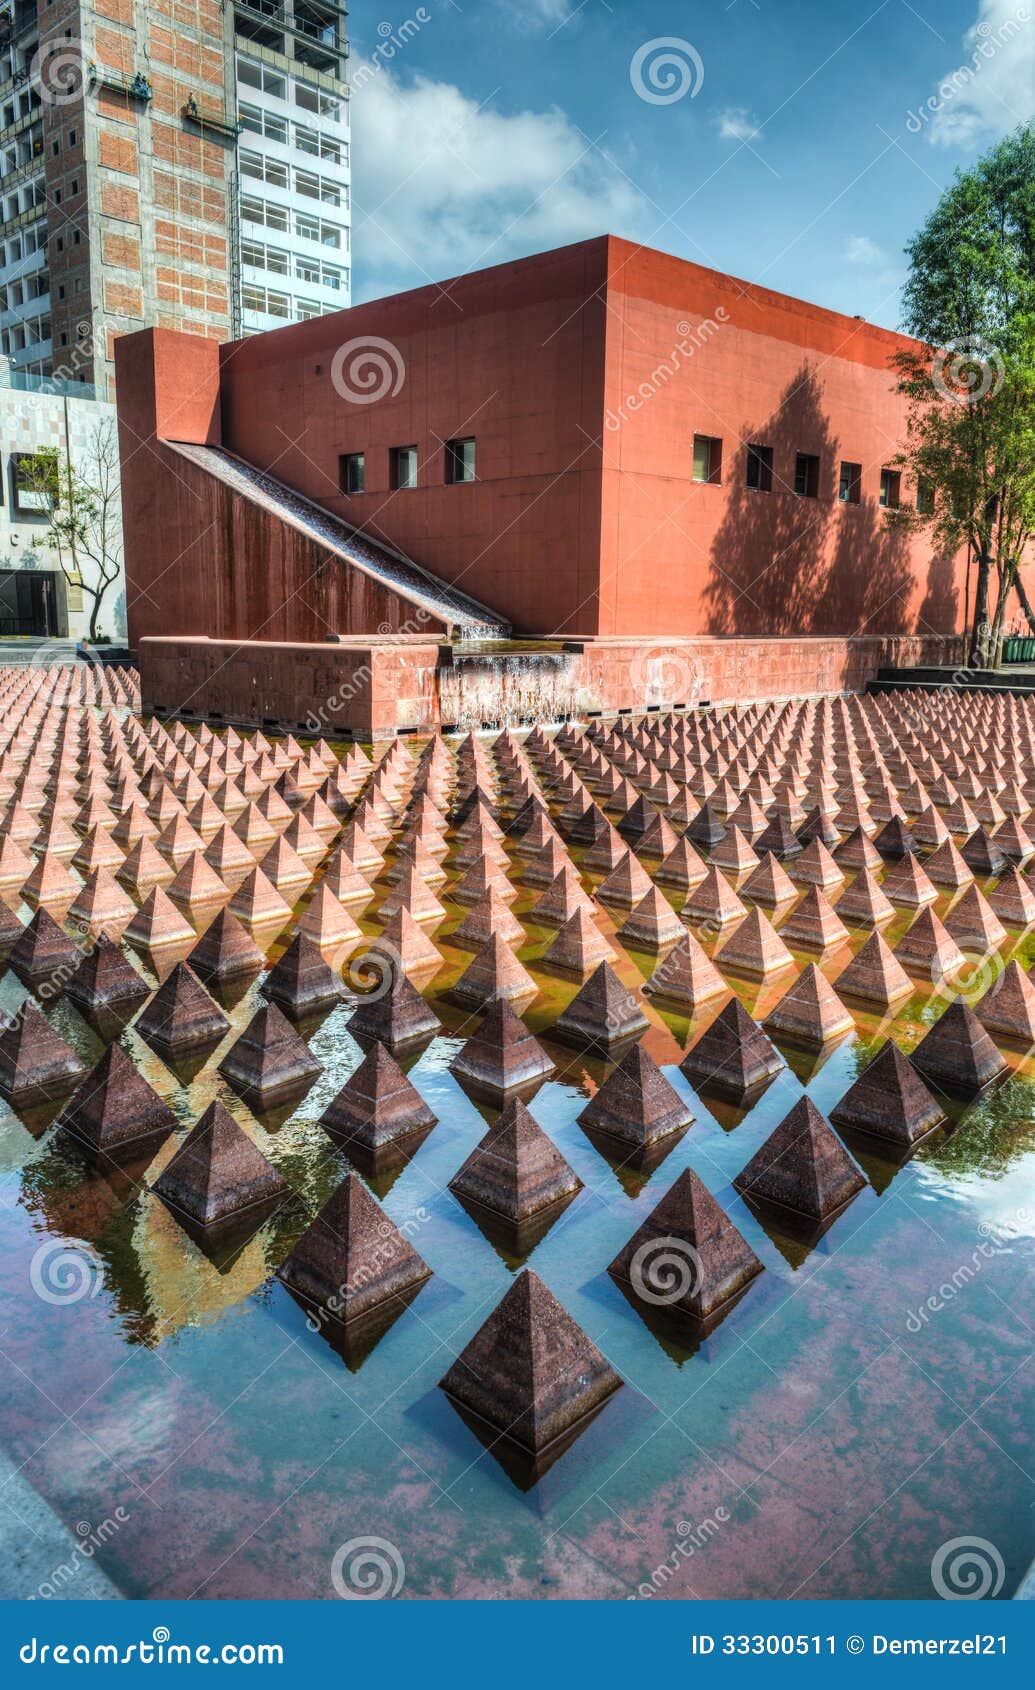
(371, 691)
(513, 355)
(205, 560)
(691, 351)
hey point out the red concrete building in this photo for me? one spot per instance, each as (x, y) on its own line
(680, 485)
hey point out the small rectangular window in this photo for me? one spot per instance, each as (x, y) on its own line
(34, 481)
(352, 472)
(759, 472)
(707, 458)
(849, 487)
(459, 460)
(403, 467)
(924, 495)
(890, 488)
(806, 475)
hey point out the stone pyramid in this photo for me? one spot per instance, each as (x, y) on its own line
(602, 1015)
(732, 1057)
(115, 1115)
(225, 951)
(889, 1101)
(269, 1061)
(687, 1256)
(501, 1057)
(636, 1105)
(530, 1371)
(352, 1258)
(802, 1167)
(105, 979)
(36, 1064)
(957, 1054)
(377, 1106)
(810, 1013)
(218, 1177)
(515, 1169)
(397, 1016)
(181, 1017)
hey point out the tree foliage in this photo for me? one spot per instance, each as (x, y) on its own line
(970, 385)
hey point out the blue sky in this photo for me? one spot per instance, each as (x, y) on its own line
(781, 140)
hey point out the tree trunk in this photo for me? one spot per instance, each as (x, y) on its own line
(995, 650)
(979, 627)
(95, 612)
(1023, 601)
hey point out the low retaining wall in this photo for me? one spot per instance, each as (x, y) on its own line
(375, 689)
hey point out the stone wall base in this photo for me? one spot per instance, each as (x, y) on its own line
(375, 689)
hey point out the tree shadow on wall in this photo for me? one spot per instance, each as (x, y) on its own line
(786, 564)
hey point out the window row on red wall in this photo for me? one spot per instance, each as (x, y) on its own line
(405, 470)
(759, 476)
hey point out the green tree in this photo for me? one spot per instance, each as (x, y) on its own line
(970, 385)
(83, 509)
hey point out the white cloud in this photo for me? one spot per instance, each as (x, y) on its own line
(737, 124)
(992, 88)
(538, 17)
(442, 184)
(859, 249)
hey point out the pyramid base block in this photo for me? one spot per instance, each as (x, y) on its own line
(673, 1327)
(373, 1160)
(514, 1240)
(524, 1467)
(354, 1340)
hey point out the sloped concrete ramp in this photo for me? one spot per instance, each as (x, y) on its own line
(462, 615)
